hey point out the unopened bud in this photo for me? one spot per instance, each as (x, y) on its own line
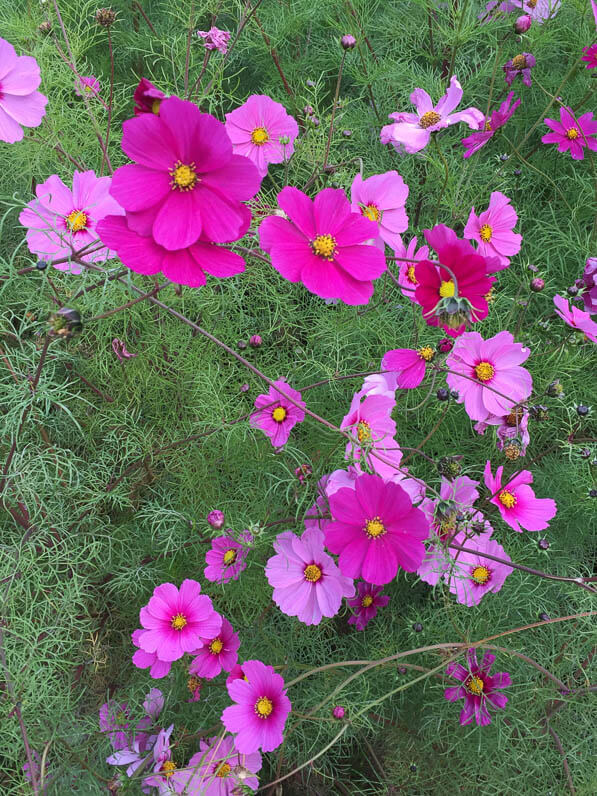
(216, 519)
(537, 284)
(348, 42)
(523, 23)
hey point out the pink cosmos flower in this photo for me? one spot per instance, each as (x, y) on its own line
(186, 183)
(261, 709)
(452, 298)
(576, 318)
(590, 56)
(513, 426)
(87, 86)
(493, 229)
(186, 266)
(134, 754)
(589, 294)
(323, 245)
(147, 98)
(369, 419)
(410, 365)
(212, 771)
(539, 10)
(215, 39)
(258, 128)
(367, 600)
(177, 620)
(276, 416)
(382, 198)
(521, 65)
(149, 660)
(477, 364)
(471, 576)
(61, 220)
(516, 501)
(478, 688)
(375, 530)
(20, 104)
(475, 141)
(236, 673)
(413, 130)
(572, 133)
(217, 653)
(225, 560)
(306, 581)
(164, 768)
(406, 273)
(114, 719)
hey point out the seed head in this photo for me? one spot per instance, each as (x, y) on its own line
(105, 17)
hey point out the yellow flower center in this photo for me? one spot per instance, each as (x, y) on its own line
(481, 575)
(372, 212)
(216, 646)
(485, 371)
(487, 127)
(259, 136)
(489, 297)
(475, 685)
(428, 119)
(155, 106)
(485, 233)
(263, 707)
(230, 556)
(572, 134)
(367, 601)
(427, 353)
(168, 768)
(448, 523)
(312, 573)
(223, 770)
(447, 289)
(193, 683)
(507, 499)
(514, 417)
(531, 3)
(184, 176)
(324, 246)
(76, 221)
(179, 621)
(375, 528)
(519, 61)
(279, 414)
(411, 275)
(364, 431)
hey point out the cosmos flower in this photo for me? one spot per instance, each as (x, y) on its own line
(470, 576)
(589, 278)
(214, 770)
(87, 86)
(382, 198)
(516, 500)
(511, 427)
(576, 318)
(215, 39)
(20, 104)
(114, 719)
(276, 416)
(412, 131)
(493, 229)
(571, 133)
(540, 10)
(521, 65)
(590, 56)
(406, 274)
(147, 98)
(258, 129)
(475, 141)
(478, 688)
(369, 419)
(366, 602)
(225, 559)
(409, 365)
(217, 653)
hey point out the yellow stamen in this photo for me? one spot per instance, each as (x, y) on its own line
(531, 3)
(230, 556)
(193, 683)
(375, 528)
(475, 685)
(487, 127)
(572, 134)
(411, 275)
(312, 573)
(364, 431)
(367, 601)
(372, 212)
(179, 621)
(427, 353)
(507, 499)
(485, 371)
(168, 768)
(216, 646)
(481, 575)
(519, 61)
(155, 106)
(259, 136)
(428, 119)
(223, 770)
(447, 289)
(279, 414)
(184, 176)
(263, 707)
(485, 233)
(324, 246)
(76, 221)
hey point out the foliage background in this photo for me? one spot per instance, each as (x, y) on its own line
(73, 576)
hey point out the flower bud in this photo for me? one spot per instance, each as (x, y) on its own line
(308, 110)
(442, 394)
(244, 387)
(417, 627)
(41, 265)
(537, 284)
(65, 323)
(348, 42)
(572, 290)
(241, 345)
(315, 121)
(449, 467)
(216, 519)
(346, 133)
(543, 544)
(310, 83)
(543, 617)
(523, 23)
(45, 28)
(593, 493)
(255, 340)
(105, 17)
(582, 410)
(585, 453)
(338, 712)
(284, 140)
(555, 389)
(445, 344)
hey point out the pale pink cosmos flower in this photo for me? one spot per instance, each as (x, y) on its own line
(513, 426)
(215, 39)
(114, 719)
(214, 769)
(589, 278)
(62, 220)
(409, 365)
(521, 65)
(87, 86)
(306, 581)
(516, 500)
(471, 576)
(576, 318)
(572, 133)
(412, 131)
(276, 416)
(493, 229)
(539, 10)
(366, 602)
(20, 104)
(382, 198)
(217, 653)
(477, 364)
(163, 777)
(478, 688)
(263, 131)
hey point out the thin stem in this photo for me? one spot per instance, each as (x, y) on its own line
(187, 59)
(334, 106)
(447, 170)
(275, 57)
(130, 303)
(145, 17)
(110, 98)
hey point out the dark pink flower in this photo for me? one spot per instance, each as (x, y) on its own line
(87, 86)
(215, 39)
(382, 198)
(20, 104)
(368, 599)
(214, 769)
(576, 318)
(375, 530)
(589, 278)
(276, 416)
(262, 707)
(521, 65)
(571, 133)
(408, 364)
(217, 653)
(338, 712)
(147, 98)
(590, 56)
(475, 141)
(225, 560)
(493, 229)
(516, 501)
(323, 245)
(407, 257)
(478, 688)
(523, 23)
(216, 519)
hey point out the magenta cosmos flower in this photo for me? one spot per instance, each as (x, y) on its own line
(261, 709)
(306, 581)
(215, 39)
(478, 688)
(516, 501)
(590, 56)
(176, 621)
(186, 183)
(470, 576)
(493, 229)
(475, 141)
(366, 602)
(323, 245)
(147, 98)
(572, 133)
(576, 318)
(413, 130)
(452, 298)
(409, 365)
(382, 198)
(521, 65)
(276, 416)
(87, 86)
(62, 220)
(20, 104)
(589, 278)
(375, 530)
(214, 769)
(407, 257)
(217, 653)
(477, 364)
(369, 419)
(258, 129)
(225, 560)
